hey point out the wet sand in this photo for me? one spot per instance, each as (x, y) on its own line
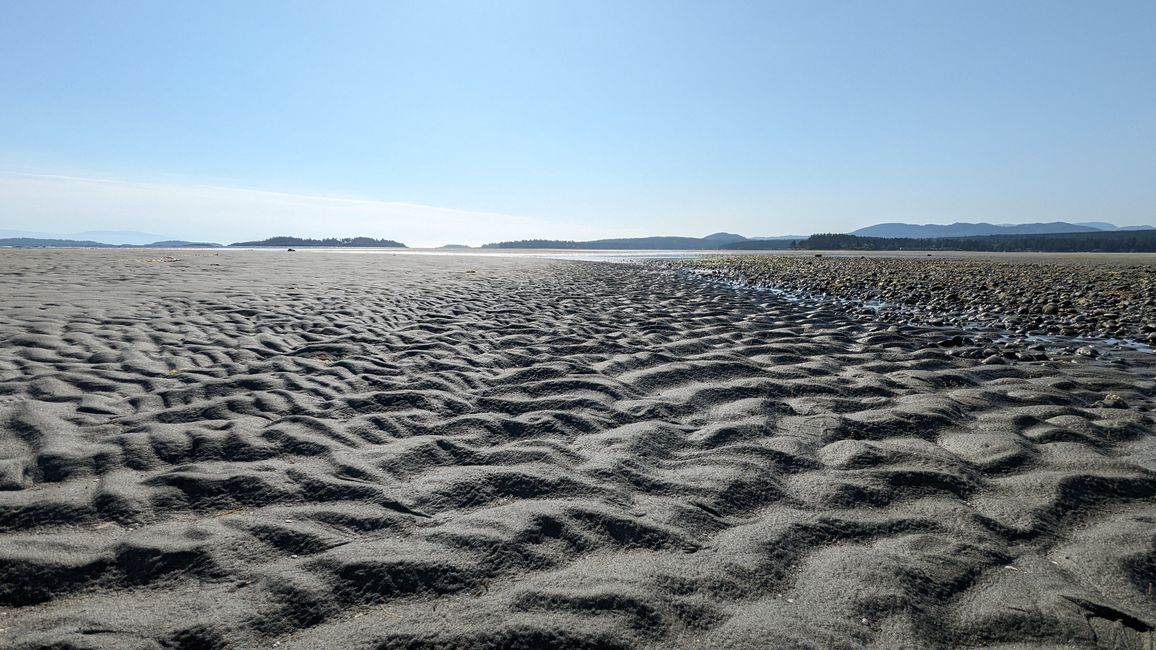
(245, 449)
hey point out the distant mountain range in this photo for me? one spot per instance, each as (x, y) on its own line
(931, 231)
(32, 242)
(1104, 225)
(731, 241)
(97, 236)
(58, 242)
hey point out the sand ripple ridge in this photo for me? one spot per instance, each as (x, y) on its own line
(242, 449)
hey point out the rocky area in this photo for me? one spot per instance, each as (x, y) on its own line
(1025, 299)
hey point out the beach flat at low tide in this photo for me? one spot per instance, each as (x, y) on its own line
(243, 449)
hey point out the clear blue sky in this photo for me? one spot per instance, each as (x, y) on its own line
(465, 121)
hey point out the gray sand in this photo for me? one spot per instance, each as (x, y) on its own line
(309, 450)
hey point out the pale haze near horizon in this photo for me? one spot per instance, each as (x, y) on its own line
(447, 122)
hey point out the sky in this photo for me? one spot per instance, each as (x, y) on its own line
(465, 122)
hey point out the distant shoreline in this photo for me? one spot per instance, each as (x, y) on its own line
(1116, 241)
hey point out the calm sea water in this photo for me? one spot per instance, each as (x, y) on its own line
(620, 256)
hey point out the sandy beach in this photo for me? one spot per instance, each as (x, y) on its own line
(246, 449)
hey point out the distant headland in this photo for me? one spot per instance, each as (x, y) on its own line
(717, 241)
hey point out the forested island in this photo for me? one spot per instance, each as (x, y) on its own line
(329, 242)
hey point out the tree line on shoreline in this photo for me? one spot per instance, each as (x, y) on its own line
(1138, 241)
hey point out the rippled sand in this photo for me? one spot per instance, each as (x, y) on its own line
(242, 449)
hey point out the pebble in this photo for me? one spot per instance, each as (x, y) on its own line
(952, 342)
